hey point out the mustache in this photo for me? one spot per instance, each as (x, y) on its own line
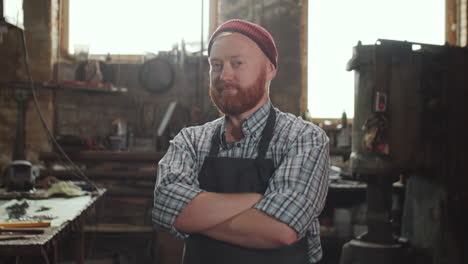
(220, 84)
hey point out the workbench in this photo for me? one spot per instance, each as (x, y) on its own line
(69, 213)
(120, 225)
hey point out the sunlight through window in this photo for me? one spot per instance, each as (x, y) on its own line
(137, 26)
(336, 26)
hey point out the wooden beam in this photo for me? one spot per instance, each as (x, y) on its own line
(451, 24)
(213, 16)
(104, 174)
(64, 27)
(303, 46)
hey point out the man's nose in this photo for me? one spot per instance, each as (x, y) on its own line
(226, 73)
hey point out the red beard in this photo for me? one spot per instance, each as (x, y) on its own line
(244, 100)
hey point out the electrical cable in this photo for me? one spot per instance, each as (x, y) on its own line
(76, 169)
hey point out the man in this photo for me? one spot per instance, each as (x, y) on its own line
(247, 187)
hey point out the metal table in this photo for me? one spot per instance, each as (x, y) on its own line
(70, 212)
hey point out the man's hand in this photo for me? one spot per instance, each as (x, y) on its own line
(207, 210)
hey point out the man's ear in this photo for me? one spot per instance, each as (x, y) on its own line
(270, 71)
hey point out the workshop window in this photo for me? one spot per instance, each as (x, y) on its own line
(137, 26)
(334, 30)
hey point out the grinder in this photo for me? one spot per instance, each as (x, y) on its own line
(20, 176)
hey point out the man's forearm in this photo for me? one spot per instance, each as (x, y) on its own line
(253, 229)
(207, 210)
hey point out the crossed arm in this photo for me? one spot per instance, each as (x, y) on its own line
(294, 198)
(231, 218)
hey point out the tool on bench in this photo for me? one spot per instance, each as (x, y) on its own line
(21, 230)
(24, 224)
(11, 237)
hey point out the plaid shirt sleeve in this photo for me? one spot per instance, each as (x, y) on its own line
(298, 188)
(176, 184)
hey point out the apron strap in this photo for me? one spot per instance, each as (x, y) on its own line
(215, 140)
(267, 135)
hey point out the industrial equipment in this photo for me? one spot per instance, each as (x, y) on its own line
(20, 175)
(408, 113)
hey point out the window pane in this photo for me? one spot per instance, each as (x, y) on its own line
(137, 26)
(336, 26)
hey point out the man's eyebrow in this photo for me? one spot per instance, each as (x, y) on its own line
(237, 57)
(230, 57)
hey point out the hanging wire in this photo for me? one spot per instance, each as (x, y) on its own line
(75, 169)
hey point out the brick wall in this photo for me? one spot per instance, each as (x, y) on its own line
(38, 27)
(284, 20)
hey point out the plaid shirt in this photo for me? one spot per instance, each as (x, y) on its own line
(296, 192)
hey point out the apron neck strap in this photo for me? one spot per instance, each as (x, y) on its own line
(215, 140)
(267, 135)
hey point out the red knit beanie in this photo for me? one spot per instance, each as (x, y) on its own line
(253, 31)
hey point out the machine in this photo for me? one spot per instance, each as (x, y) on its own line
(407, 99)
(20, 175)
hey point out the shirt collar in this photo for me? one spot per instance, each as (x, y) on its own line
(253, 124)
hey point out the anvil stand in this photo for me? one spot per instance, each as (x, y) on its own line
(378, 245)
(20, 175)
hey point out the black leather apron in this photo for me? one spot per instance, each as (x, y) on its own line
(239, 175)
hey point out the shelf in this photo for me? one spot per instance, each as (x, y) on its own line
(100, 156)
(105, 174)
(86, 86)
(117, 228)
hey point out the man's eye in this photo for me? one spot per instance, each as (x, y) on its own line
(236, 64)
(216, 66)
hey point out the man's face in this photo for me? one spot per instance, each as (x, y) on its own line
(238, 74)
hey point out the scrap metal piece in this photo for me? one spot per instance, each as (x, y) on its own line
(17, 210)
